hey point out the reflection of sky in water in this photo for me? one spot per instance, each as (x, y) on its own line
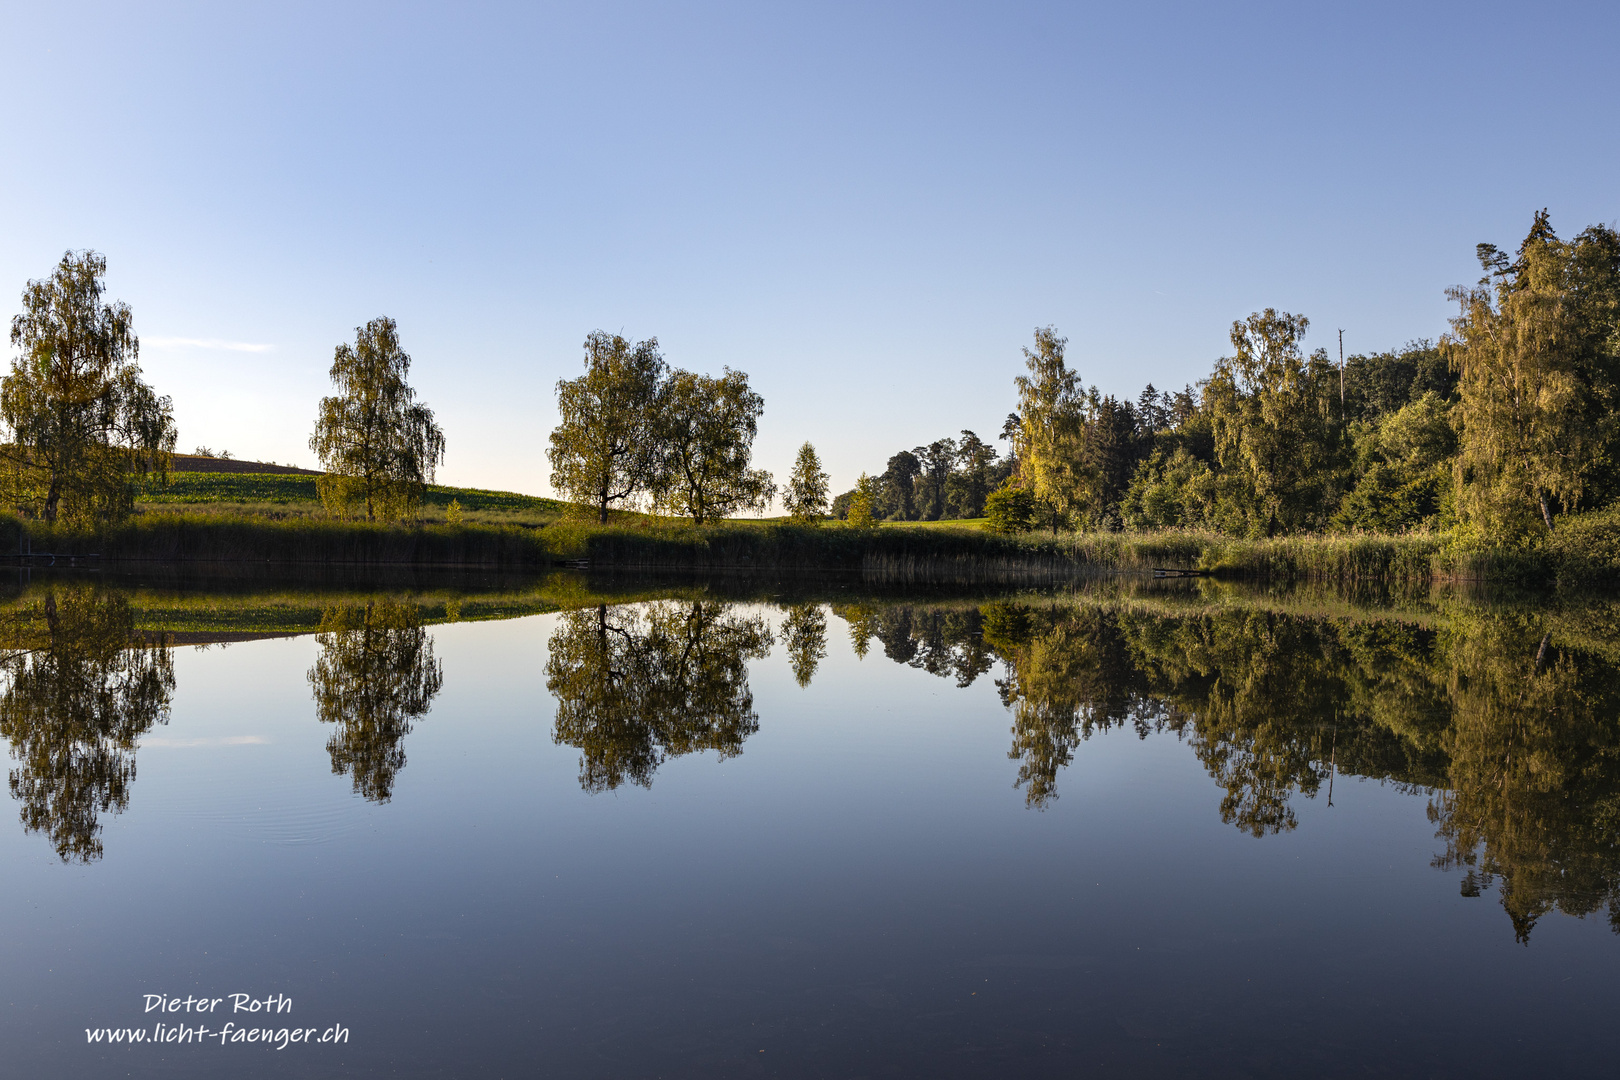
(862, 889)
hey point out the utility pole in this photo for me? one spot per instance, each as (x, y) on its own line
(1333, 761)
(1341, 371)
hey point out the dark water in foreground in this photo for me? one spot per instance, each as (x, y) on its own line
(1122, 832)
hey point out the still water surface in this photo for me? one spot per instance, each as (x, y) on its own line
(703, 831)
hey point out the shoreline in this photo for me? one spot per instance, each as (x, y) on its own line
(1586, 551)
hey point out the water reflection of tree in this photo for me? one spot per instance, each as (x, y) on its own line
(1516, 738)
(1534, 779)
(79, 689)
(1255, 694)
(376, 675)
(862, 622)
(804, 631)
(948, 642)
(1068, 675)
(639, 684)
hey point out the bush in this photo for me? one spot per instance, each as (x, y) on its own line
(1010, 510)
(1585, 545)
(859, 510)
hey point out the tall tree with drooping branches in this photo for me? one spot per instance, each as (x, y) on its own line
(606, 449)
(82, 426)
(378, 445)
(1536, 346)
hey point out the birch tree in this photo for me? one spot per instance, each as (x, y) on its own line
(82, 425)
(1534, 345)
(605, 450)
(377, 444)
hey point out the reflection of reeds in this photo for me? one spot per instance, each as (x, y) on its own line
(966, 555)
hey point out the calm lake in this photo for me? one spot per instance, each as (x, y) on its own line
(575, 827)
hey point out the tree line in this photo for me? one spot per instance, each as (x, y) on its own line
(635, 433)
(1507, 422)
(85, 432)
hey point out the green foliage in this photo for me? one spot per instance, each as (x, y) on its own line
(1277, 435)
(1405, 464)
(82, 426)
(1174, 491)
(1419, 436)
(1112, 452)
(638, 684)
(376, 675)
(632, 430)
(1387, 500)
(896, 490)
(860, 513)
(1386, 382)
(1050, 440)
(1585, 546)
(705, 437)
(978, 473)
(605, 449)
(935, 463)
(806, 494)
(804, 632)
(1277, 443)
(80, 687)
(1010, 509)
(452, 513)
(1538, 357)
(378, 444)
(948, 479)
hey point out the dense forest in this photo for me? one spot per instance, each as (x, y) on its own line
(1505, 424)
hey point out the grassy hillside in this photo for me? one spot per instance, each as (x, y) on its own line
(282, 496)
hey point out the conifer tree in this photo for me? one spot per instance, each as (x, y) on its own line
(806, 493)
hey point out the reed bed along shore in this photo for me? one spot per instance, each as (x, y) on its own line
(1587, 549)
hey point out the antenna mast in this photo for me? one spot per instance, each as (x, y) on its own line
(1341, 370)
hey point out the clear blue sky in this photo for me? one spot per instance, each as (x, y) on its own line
(867, 207)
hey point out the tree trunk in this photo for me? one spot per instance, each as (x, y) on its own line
(1546, 511)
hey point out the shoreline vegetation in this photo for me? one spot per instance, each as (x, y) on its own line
(1586, 549)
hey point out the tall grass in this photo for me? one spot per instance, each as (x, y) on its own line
(1588, 549)
(176, 538)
